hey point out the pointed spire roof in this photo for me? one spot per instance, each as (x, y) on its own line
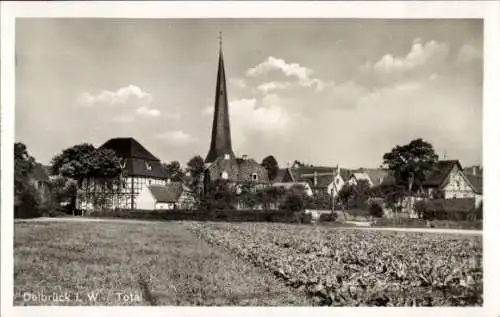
(221, 131)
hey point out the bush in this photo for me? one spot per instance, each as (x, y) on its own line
(328, 217)
(227, 215)
(27, 203)
(376, 210)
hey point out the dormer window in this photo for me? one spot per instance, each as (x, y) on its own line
(148, 166)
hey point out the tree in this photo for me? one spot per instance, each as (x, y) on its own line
(26, 197)
(84, 162)
(219, 196)
(24, 164)
(410, 163)
(174, 171)
(271, 165)
(298, 163)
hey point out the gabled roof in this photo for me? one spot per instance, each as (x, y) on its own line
(476, 182)
(129, 148)
(307, 171)
(441, 172)
(376, 175)
(143, 168)
(136, 160)
(452, 205)
(169, 193)
(39, 173)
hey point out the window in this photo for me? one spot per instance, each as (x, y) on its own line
(255, 176)
(123, 164)
(148, 167)
(224, 175)
(149, 182)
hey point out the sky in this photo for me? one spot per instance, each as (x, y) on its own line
(324, 92)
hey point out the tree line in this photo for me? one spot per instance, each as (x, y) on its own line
(72, 167)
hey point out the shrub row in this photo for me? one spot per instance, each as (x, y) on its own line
(205, 215)
(421, 223)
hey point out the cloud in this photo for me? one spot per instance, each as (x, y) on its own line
(468, 53)
(238, 82)
(124, 119)
(273, 85)
(128, 95)
(177, 137)
(420, 55)
(147, 112)
(247, 115)
(301, 73)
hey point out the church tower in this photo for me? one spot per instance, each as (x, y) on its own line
(221, 130)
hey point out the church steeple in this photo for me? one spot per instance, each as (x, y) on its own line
(221, 131)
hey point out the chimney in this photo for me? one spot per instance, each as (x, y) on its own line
(315, 178)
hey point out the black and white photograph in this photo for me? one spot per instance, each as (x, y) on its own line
(247, 162)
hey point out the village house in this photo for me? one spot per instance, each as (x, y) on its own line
(374, 176)
(321, 179)
(173, 195)
(449, 181)
(140, 169)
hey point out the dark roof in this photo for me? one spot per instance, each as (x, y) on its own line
(476, 182)
(477, 170)
(376, 175)
(143, 168)
(39, 173)
(137, 161)
(451, 205)
(299, 172)
(238, 170)
(441, 172)
(129, 148)
(169, 193)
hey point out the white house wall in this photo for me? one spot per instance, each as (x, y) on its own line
(457, 186)
(118, 198)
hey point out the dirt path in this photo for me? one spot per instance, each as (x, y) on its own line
(423, 230)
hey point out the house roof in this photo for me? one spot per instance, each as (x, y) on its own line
(39, 173)
(306, 171)
(451, 205)
(477, 170)
(376, 175)
(169, 193)
(476, 182)
(361, 176)
(129, 148)
(136, 160)
(441, 172)
(289, 185)
(238, 169)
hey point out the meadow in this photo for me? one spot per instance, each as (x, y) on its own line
(260, 264)
(116, 263)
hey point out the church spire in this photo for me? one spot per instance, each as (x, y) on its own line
(221, 131)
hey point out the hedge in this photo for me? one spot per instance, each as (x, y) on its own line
(204, 215)
(421, 223)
